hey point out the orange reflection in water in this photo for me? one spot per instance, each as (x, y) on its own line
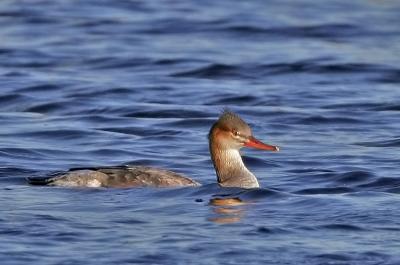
(228, 210)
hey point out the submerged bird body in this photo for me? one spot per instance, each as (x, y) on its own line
(226, 137)
(116, 177)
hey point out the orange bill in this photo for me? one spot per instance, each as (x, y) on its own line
(254, 143)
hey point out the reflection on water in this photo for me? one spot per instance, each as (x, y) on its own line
(227, 210)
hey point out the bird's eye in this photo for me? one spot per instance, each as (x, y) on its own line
(236, 133)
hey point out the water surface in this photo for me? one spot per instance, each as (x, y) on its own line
(92, 83)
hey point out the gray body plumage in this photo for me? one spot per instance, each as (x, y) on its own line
(117, 177)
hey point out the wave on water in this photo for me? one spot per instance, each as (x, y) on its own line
(377, 73)
(384, 143)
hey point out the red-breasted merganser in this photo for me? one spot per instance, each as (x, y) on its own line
(227, 136)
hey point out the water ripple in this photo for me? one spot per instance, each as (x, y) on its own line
(335, 190)
(315, 66)
(384, 143)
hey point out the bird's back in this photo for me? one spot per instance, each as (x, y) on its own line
(116, 177)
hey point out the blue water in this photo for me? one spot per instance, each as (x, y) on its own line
(95, 83)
